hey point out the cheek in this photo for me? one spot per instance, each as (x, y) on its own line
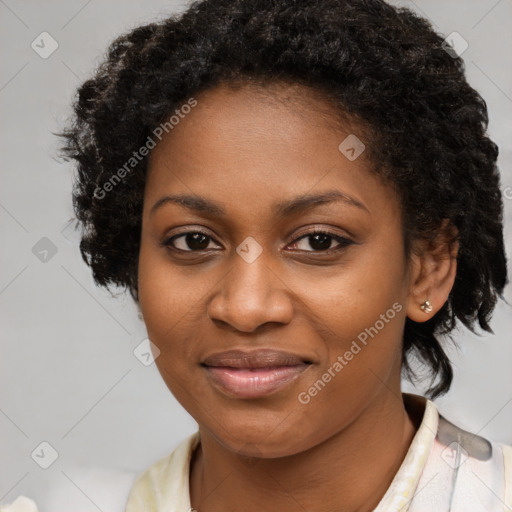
(169, 306)
(169, 309)
(356, 295)
(363, 357)
(361, 314)
(165, 295)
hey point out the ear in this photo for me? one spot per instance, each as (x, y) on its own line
(433, 268)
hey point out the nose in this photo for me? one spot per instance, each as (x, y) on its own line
(249, 296)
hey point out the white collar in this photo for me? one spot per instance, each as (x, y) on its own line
(164, 487)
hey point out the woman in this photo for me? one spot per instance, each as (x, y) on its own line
(300, 197)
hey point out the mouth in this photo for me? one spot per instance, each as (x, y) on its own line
(253, 374)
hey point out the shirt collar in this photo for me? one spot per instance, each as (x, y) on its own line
(403, 486)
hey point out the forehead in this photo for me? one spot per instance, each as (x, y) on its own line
(246, 112)
(251, 144)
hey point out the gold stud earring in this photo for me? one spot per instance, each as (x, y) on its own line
(426, 306)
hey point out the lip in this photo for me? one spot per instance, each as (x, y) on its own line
(258, 358)
(253, 374)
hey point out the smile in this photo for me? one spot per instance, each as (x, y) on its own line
(253, 374)
(253, 382)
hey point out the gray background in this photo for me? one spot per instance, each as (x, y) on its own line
(68, 372)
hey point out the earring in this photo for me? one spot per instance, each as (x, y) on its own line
(426, 306)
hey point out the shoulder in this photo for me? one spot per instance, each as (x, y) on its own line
(471, 472)
(165, 482)
(481, 469)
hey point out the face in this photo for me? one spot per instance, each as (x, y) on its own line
(282, 243)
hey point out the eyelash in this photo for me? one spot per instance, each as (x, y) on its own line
(343, 242)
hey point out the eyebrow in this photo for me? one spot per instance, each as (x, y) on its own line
(284, 209)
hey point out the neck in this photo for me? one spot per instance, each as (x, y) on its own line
(349, 472)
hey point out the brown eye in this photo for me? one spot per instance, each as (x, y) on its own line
(321, 241)
(189, 242)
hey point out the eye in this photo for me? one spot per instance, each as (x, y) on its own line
(318, 241)
(321, 241)
(191, 241)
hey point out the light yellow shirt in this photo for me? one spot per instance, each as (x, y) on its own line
(446, 469)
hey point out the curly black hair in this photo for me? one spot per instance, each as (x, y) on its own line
(380, 65)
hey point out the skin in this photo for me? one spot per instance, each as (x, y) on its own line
(246, 150)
